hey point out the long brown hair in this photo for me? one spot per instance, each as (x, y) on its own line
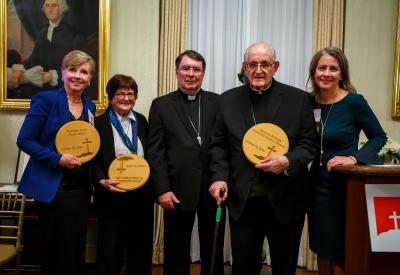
(338, 54)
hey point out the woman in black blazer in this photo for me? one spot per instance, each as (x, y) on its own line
(125, 219)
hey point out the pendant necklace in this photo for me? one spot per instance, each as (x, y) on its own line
(198, 131)
(254, 117)
(74, 100)
(323, 125)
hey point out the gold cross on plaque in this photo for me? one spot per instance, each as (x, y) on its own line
(122, 159)
(271, 149)
(120, 169)
(87, 142)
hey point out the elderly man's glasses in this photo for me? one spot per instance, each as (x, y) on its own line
(122, 95)
(265, 66)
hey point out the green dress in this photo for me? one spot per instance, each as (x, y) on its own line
(342, 122)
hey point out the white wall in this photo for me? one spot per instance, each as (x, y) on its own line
(370, 37)
(10, 122)
(133, 51)
(134, 46)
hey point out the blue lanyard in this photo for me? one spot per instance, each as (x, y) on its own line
(132, 146)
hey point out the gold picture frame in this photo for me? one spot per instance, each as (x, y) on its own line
(10, 102)
(396, 81)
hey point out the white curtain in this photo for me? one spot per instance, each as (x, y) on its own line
(221, 30)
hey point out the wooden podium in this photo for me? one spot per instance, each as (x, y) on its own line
(359, 259)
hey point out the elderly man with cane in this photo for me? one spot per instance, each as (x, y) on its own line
(267, 199)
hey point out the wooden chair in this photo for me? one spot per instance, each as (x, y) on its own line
(12, 207)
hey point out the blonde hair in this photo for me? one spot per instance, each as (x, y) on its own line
(76, 58)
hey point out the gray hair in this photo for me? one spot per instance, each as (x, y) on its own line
(62, 4)
(260, 44)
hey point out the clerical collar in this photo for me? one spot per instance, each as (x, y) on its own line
(260, 92)
(191, 97)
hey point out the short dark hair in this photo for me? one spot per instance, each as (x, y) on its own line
(193, 55)
(119, 81)
(339, 55)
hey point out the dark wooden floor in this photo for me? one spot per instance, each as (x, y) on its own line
(195, 269)
(157, 270)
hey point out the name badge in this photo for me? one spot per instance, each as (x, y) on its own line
(317, 118)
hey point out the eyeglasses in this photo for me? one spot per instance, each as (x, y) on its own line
(122, 95)
(187, 69)
(265, 66)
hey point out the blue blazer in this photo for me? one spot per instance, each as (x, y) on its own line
(47, 113)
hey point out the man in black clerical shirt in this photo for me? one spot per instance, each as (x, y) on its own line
(268, 199)
(181, 124)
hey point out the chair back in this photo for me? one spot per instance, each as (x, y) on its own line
(12, 208)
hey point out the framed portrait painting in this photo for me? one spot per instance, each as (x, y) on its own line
(396, 81)
(35, 35)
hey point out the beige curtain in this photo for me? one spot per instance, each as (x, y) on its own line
(158, 245)
(328, 24)
(328, 31)
(173, 33)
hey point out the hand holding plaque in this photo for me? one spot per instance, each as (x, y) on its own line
(131, 171)
(264, 140)
(78, 138)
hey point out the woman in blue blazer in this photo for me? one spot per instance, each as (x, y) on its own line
(60, 184)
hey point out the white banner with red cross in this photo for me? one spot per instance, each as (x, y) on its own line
(383, 204)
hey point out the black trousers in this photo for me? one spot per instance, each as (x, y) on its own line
(247, 236)
(125, 233)
(63, 226)
(177, 238)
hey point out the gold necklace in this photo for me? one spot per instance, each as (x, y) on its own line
(323, 125)
(74, 100)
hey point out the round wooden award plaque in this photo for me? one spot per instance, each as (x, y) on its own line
(131, 171)
(264, 140)
(78, 138)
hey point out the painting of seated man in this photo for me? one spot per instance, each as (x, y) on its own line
(40, 34)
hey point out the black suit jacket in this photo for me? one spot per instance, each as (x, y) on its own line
(178, 163)
(290, 109)
(106, 155)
